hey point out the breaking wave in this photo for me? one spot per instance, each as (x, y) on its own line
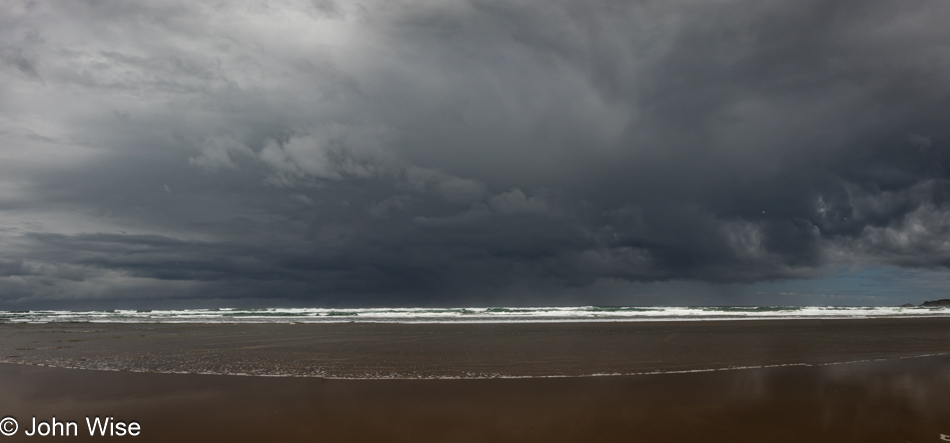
(467, 315)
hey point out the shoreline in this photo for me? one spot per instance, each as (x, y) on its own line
(741, 381)
(480, 322)
(472, 315)
(468, 351)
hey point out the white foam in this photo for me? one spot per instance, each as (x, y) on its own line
(468, 314)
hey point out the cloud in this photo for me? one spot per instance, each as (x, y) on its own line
(452, 189)
(401, 152)
(335, 153)
(216, 154)
(516, 202)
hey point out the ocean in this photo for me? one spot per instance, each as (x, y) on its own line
(470, 314)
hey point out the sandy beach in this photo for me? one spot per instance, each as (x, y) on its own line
(900, 395)
(386, 350)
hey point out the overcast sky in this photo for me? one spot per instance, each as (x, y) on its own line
(444, 152)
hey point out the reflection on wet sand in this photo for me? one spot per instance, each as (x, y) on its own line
(897, 400)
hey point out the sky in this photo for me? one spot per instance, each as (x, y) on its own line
(485, 152)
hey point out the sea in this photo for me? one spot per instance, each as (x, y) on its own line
(471, 314)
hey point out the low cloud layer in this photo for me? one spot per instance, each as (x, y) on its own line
(405, 152)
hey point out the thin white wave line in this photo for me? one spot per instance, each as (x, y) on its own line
(473, 321)
(467, 377)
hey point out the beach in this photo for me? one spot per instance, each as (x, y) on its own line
(775, 380)
(470, 350)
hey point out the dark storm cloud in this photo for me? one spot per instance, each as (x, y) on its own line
(407, 152)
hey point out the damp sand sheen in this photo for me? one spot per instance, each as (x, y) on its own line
(487, 374)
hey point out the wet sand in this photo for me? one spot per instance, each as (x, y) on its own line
(898, 399)
(902, 400)
(363, 350)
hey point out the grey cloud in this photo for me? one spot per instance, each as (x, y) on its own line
(516, 202)
(403, 152)
(22, 63)
(453, 189)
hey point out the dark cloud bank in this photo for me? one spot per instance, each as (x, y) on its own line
(407, 152)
